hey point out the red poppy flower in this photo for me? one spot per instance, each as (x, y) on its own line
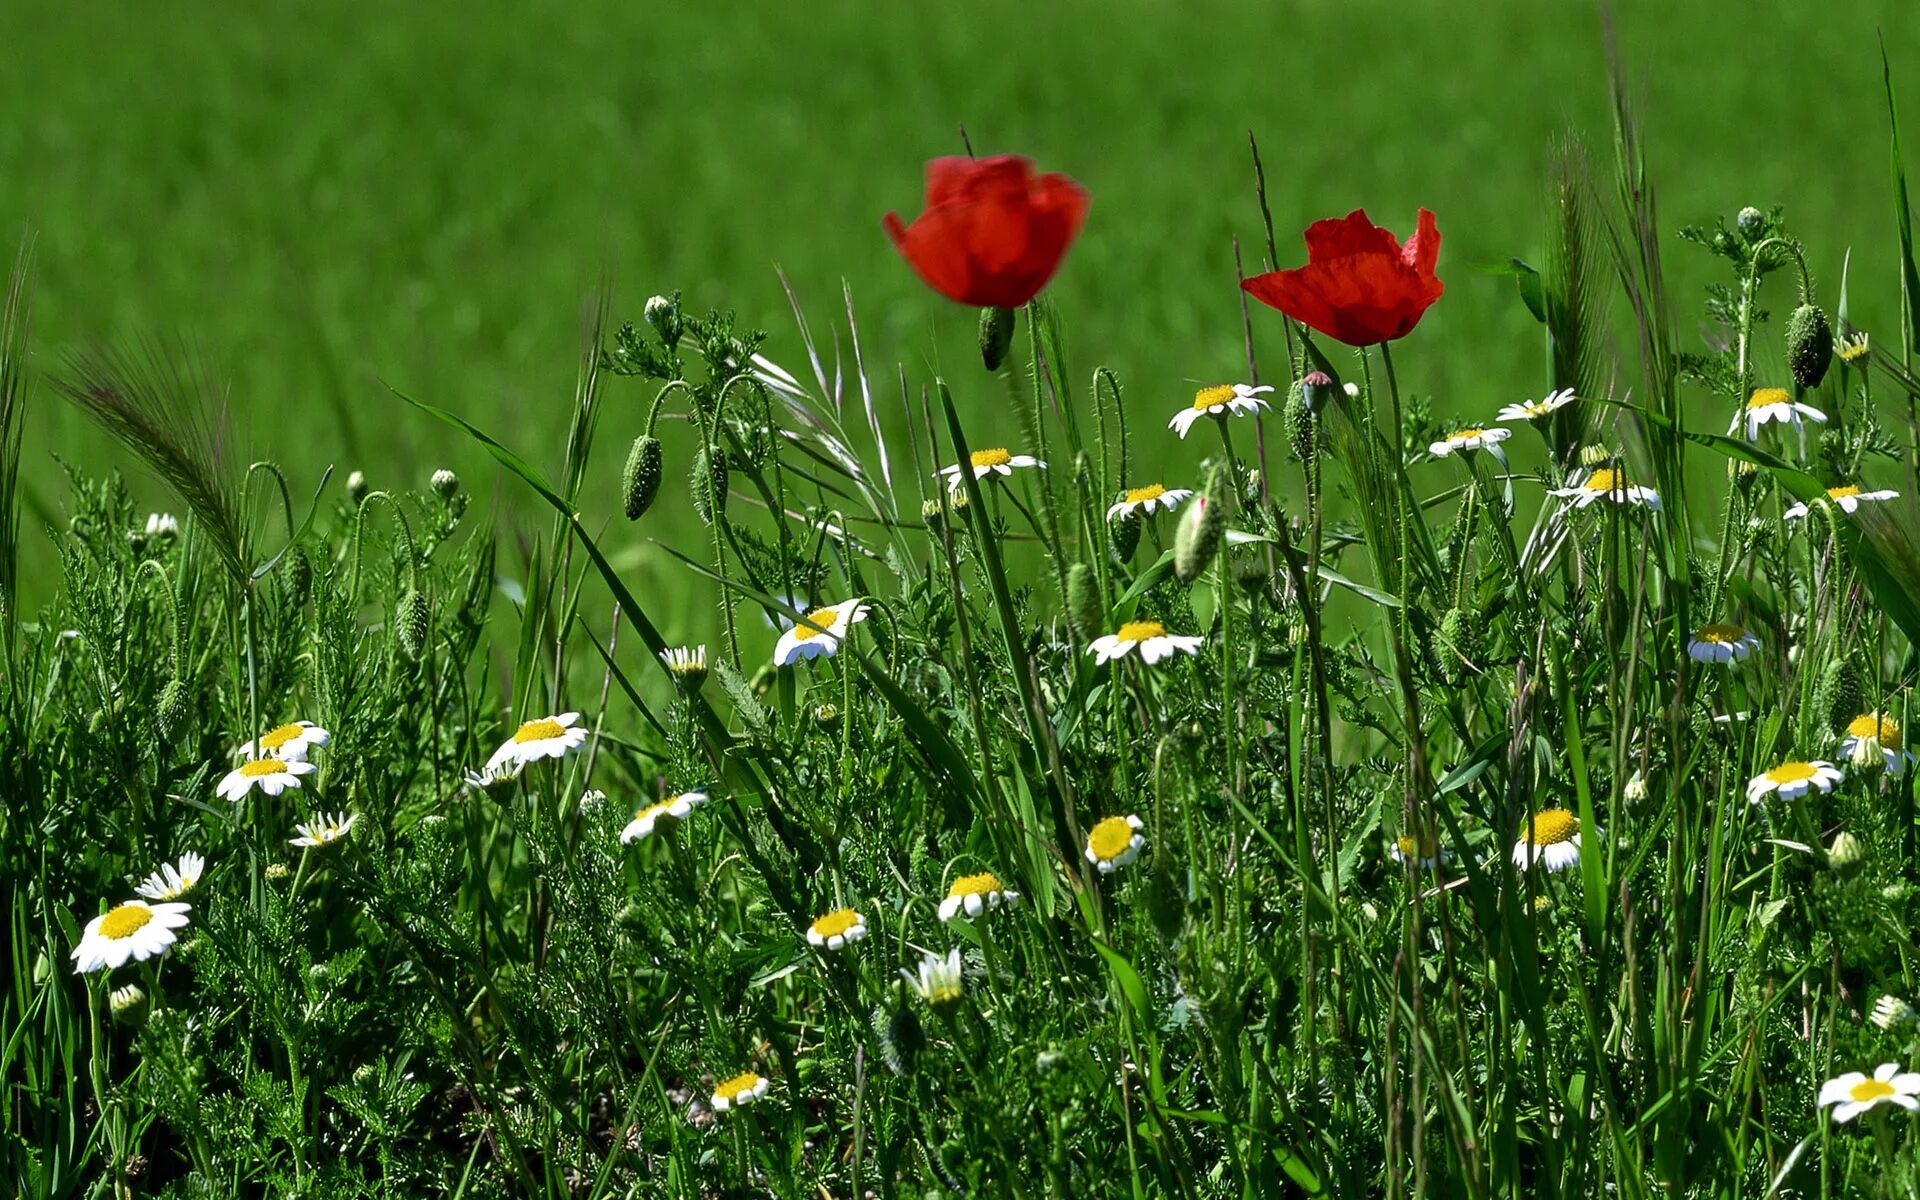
(1360, 286)
(993, 232)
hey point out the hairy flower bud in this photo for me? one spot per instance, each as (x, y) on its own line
(1842, 693)
(1751, 221)
(709, 484)
(1197, 540)
(356, 488)
(663, 313)
(296, 575)
(413, 622)
(1809, 345)
(640, 478)
(1123, 536)
(1847, 855)
(1457, 643)
(1319, 390)
(1084, 607)
(1302, 418)
(996, 336)
(170, 711)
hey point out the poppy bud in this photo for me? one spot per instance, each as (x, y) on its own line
(1847, 854)
(413, 623)
(1301, 418)
(1123, 536)
(171, 710)
(996, 336)
(1842, 694)
(901, 1037)
(1456, 643)
(1197, 539)
(296, 575)
(640, 479)
(709, 484)
(1166, 900)
(1318, 390)
(1084, 607)
(356, 488)
(1809, 345)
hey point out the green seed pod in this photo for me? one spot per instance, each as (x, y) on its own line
(1197, 539)
(640, 480)
(296, 576)
(170, 711)
(1084, 606)
(1456, 643)
(709, 484)
(901, 1037)
(1809, 345)
(413, 622)
(996, 336)
(1123, 537)
(1842, 691)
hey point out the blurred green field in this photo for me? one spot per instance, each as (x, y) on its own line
(325, 199)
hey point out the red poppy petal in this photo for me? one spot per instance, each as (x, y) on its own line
(937, 254)
(1422, 250)
(959, 180)
(1351, 234)
(1295, 295)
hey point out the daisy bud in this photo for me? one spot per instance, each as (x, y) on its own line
(996, 336)
(356, 488)
(1084, 606)
(277, 871)
(1847, 854)
(1751, 221)
(1300, 423)
(933, 514)
(1596, 456)
(444, 483)
(663, 313)
(1743, 473)
(127, 1001)
(413, 621)
(1197, 540)
(640, 479)
(1635, 789)
(1889, 1011)
(171, 710)
(709, 484)
(827, 717)
(1809, 345)
(1123, 537)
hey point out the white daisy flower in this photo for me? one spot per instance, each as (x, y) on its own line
(1226, 400)
(324, 830)
(125, 1000)
(173, 881)
(1774, 404)
(1427, 851)
(1466, 441)
(493, 775)
(1794, 779)
(941, 981)
(1890, 1010)
(1854, 1093)
(1721, 643)
(820, 634)
(974, 894)
(270, 775)
(1876, 738)
(1115, 842)
(994, 461)
(1606, 483)
(592, 801)
(687, 665)
(743, 1089)
(1533, 410)
(289, 741)
(674, 808)
(1852, 348)
(1150, 637)
(549, 737)
(1551, 840)
(161, 524)
(841, 927)
(130, 932)
(1849, 497)
(1146, 499)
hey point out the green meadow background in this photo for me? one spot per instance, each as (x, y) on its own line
(327, 199)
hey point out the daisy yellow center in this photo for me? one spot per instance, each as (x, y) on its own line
(1152, 491)
(740, 1084)
(1793, 772)
(997, 457)
(1869, 1090)
(539, 731)
(653, 810)
(1853, 350)
(1465, 435)
(1605, 479)
(273, 739)
(823, 617)
(1140, 631)
(124, 921)
(1110, 838)
(1762, 397)
(1212, 397)
(1409, 847)
(263, 766)
(975, 885)
(836, 922)
(1552, 826)
(1720, 634)
(1841, 492)
(1881, 729)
